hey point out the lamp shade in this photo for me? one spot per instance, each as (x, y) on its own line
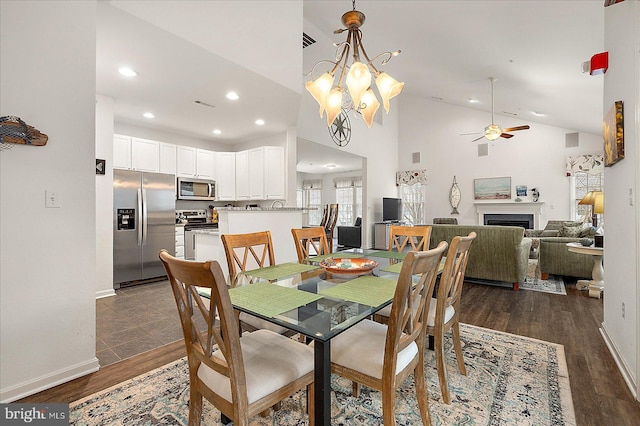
(334, 105)
(369, 105)
(598, 202)
(388, 88)
(358, 81)
(320, 89)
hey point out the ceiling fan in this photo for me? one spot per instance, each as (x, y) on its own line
(493, 131)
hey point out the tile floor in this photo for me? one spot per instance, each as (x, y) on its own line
(135, 320)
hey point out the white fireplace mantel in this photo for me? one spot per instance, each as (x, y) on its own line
(510, 207)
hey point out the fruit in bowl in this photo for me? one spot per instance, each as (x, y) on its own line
(348, 265)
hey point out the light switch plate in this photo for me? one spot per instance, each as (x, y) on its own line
(52, 199)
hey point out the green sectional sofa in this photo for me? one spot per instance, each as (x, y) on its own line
(499, 253)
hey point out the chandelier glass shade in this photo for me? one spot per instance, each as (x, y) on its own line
(360, 97)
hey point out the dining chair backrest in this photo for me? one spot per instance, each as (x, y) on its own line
(452, 277)
(407, 321)
(325, 215)
(310, 242)
(417, 236)
(220, 325)
(331, 222)
(247, 251)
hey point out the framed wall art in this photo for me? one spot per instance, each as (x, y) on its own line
(613, 135)
(498, 188)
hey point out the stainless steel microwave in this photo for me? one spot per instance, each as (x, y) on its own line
(196, 189)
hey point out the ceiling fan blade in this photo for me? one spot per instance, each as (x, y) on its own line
(513, 129)
(478, 138)
(474, 133)
(506, 135)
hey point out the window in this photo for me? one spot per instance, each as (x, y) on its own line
(585, 182)
(349, 199)
(412, 203)
(311, 198)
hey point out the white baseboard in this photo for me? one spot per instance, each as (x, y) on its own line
(56, 378)
(105, 293)
(622, 366)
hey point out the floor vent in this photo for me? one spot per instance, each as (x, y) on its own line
(306, 40)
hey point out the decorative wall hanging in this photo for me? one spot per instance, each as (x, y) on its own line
(101, 166)
(15, 131)
(498, 188)
(613, 134)
(454, 196)
(340, 129)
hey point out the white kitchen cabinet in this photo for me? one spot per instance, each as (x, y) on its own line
(121, 152)
(186, 161)
(256, 173)
(242, 175)
(225, 176)
(145, 155)
(168, 158)
(274, 172)
(180, 242)
(205, 164)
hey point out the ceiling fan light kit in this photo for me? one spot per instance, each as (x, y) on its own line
(361, 97)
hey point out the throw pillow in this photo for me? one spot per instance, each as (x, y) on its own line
(587, 231)
(571, 223)
(570, 231)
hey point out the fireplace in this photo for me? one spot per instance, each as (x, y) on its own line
(523, 220)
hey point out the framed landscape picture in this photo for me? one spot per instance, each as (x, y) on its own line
(613, 135)
(498, 188)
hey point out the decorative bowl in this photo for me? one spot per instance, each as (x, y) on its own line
(586, 241)
(358, 266)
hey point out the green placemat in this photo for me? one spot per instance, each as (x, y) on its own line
(338, 255)
(367, 290)
(395, 268)
(269, 300)
(388, 254)
(278, 271)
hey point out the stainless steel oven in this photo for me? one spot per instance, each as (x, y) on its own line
(196, 189)
(195, 219)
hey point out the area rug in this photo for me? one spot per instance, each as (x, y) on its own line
(510, 380)
(554, 284)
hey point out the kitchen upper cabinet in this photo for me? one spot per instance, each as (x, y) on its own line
(242, 175)
(256, 173)
(205, 164)
(196, 163)
(121, 152)
(186, 161)
(226, 176)
(145, 155)
(168, 153)
(274, 173)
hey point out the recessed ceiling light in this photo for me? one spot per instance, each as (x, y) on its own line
(148, 115)
(260, 122)
(233, 96)
(128, 72)
(473, 101)
(217, 132)
(539, 114)
(331, 166)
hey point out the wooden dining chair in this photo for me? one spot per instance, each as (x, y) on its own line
(417, 236)
(240, 376)
(246, 252)
(325, 216)
(444, 310)
(383, 356)
(310, 242)
(331, 223)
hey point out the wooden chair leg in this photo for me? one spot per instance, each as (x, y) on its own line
(310, 406)
(195, 407)
(544, 276)
(442, 368)
(516, 286)
(457, 345)
(421, 390)
(355, 389)
(388, 406)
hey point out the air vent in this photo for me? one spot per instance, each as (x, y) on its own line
(204, 104)
(415, 157)
(306, 40)
(483, 149)
(571, 140)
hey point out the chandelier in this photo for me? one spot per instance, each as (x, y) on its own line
(358, 78)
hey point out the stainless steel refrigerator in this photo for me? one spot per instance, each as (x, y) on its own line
(144, 207)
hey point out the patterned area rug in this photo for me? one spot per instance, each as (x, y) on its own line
(554, 284)
(510, 380)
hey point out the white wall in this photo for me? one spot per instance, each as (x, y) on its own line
(622, 220)
(534, 157)
(47, 266)
(104, 198)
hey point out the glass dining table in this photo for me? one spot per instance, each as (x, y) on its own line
(320, 302)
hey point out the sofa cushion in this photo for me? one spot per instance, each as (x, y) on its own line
(570, 231)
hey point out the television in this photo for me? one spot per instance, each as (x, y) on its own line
(391, 209)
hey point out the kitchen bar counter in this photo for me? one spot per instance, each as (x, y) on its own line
(260, 209)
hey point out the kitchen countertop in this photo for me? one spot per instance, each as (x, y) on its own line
(259, 209)
(207, 231)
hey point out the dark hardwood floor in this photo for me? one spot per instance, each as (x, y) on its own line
(600, 395)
